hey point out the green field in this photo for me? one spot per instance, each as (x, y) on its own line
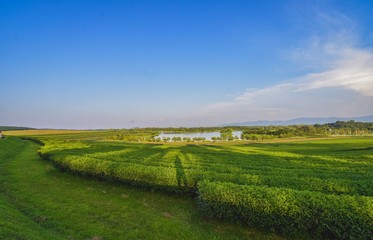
(310, 188)
(38, 201)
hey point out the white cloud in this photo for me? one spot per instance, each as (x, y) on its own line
(344, 89)
(353, 70)
(338, 78)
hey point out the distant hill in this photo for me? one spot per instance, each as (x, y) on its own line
(295, 121)
(8, 128)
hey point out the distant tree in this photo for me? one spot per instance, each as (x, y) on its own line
(226, 133)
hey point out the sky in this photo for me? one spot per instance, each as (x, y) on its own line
(123, 64)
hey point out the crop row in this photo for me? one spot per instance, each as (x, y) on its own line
(281, 209)
(281, 191)
(170, 175)
(289, 211)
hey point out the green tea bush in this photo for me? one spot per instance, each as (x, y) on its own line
(102, 162)
(289, 211)
(324, 190)
(151, 176)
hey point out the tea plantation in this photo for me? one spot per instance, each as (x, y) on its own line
(38, 202)
(317, 189)
(320, 188)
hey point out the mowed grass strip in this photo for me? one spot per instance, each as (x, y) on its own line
(49, 204)
(13, 223)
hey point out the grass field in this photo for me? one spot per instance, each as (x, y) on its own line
(320, 188)
(38, 201)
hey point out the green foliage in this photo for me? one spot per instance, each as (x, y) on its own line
(37, 202)
(352, 125)
(10, 128)
(134, 135)
(262, 133)
(350, 128)
(156, 165)
(337, 128)
(330, 173)
(226, 134)
(289, 211)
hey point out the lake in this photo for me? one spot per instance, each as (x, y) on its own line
(207, 135)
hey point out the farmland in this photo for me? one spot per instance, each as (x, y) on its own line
(309, 188)
(38, 201)
(186, 120)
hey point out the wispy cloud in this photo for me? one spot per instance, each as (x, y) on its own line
(353, 70)
(342, 86)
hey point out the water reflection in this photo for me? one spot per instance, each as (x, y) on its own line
(207, 135)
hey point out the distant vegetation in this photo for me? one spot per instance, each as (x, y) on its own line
(349, 128)
(10, 128)
(135, 135)
(338, 128)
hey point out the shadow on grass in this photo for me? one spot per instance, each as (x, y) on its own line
(180, 174)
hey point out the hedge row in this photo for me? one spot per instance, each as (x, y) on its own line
(277, 201)
(327, 186)
(289, 211)
(191, 170)
(168, 177)
(165, 178)
(172, 178)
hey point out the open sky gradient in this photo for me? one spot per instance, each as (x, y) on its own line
(121, 64)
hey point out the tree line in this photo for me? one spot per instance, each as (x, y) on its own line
(345, 128)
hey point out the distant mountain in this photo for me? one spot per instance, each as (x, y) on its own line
(8, 128)
(308, 121)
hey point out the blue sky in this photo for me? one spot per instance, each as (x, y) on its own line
(116, 64)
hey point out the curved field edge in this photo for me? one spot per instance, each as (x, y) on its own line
(45, 203)
(14, 224)
(284, 210)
